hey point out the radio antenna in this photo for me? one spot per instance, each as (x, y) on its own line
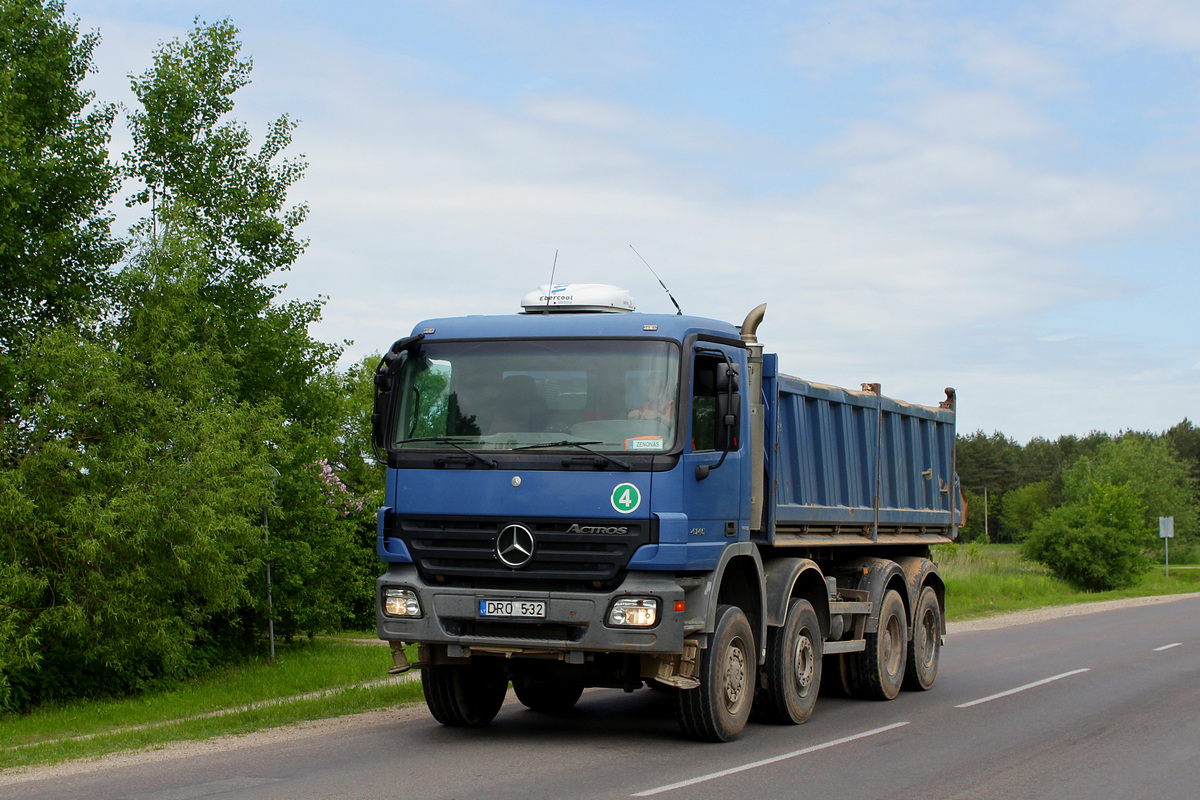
(550, 288)
(679, 311)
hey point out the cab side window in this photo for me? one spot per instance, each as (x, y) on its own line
(704, 401)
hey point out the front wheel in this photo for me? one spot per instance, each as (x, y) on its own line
(922, 665)
(793, 668)
(717, 710)
(463, 695)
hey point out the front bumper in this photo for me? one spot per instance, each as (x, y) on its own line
(574, 623)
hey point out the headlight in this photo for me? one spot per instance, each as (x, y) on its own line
(401, 603)
(634, 612)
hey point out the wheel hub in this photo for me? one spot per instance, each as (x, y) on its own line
(735, 675)
(802, 664)
(892, 646)
(928, 638)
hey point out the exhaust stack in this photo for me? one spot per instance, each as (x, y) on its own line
(754, 359)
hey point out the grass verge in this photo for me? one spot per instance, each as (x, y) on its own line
(994, 579)
(309, 680)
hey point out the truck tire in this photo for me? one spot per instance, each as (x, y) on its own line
(922, 664)
(463, 695)
(878, 672)
(549, 698)
(793, 668)
(717, 710)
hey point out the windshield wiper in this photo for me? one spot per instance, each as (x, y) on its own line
(453, 443)
(582, 446)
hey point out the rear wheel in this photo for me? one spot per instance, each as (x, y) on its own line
(717, 710)
(550, 698)
(922, 665)
(463, 695)
(878, 671)
(793, 668)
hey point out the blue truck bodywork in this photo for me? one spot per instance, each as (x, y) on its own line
(809, 492)
(859, 462)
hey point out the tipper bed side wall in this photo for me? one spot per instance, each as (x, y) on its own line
(856, 467)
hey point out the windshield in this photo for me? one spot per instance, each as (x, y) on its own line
(501, 395)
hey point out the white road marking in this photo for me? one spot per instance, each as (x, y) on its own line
(1167, 646)
(766, 761)
(1033, 685)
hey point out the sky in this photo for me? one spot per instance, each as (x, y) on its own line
(999, 197)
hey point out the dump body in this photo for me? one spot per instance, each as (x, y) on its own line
(854, 467)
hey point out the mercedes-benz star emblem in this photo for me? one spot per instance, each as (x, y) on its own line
(514, 546)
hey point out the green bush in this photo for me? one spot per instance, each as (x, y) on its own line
(1097, 543)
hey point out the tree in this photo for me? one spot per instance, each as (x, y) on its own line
(1185, 437)
(973, 530)
(1041, 460)
(991, 463)
(146, 435)
(355, 462)
(202, 181)
(56, 244)
(1022, 507)
(198, 172)
(130, 517)
(1150, 468)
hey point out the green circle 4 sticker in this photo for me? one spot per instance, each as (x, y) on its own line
(626, 498)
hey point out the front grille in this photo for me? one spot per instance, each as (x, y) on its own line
(507, 630)
(459, 549)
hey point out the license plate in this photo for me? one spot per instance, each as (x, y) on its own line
(512, 608)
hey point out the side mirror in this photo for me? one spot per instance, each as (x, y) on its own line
(727, 379)
(728, 405)
(383, 410)
(380, 411)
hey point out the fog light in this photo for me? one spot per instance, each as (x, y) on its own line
(401, 603)
(634, 612)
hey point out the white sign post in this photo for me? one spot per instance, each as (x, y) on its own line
(1166, 530)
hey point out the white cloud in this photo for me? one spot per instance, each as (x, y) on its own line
(979, 117)
(558, 39)
(1172, 26)
(1003, 60)
(836, 37)
(920, 42)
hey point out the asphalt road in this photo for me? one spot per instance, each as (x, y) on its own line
(1105, 705)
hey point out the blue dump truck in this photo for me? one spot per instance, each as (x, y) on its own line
(580, 495)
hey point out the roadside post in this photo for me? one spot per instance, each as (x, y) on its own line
(1166, 530)
(273, 474)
